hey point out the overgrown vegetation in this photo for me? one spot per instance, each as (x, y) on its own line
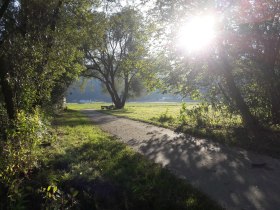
(85, 168)
(19, 155)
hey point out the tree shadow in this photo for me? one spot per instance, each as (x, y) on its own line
(122, 111)
(108, 175)
(230, 176)
(266, 143)
(102, 119)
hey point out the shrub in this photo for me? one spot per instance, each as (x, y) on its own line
(205, 115)
(165, 117)
(19, 154)
(182, 115)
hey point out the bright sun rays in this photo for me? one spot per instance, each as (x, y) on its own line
(197, 34)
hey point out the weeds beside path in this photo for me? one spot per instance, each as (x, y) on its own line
(236, 178)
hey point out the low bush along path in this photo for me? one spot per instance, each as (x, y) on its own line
(236, 178)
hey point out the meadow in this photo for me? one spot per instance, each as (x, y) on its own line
(146, 112)
(198, 120)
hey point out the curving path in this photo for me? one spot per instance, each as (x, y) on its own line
(235, 178)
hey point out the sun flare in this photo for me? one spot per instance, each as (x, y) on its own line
(197, 34)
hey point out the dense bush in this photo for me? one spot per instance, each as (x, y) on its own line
(18, 154)
(165, 117)
(205, 115)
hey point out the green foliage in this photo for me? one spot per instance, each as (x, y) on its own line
(41, 51)
(19, 153)
(40, 56)
(182, 115)
(165, 117)
(56, 199)
(205, 115)
(4, 121)
(240, 71)
(121, 51)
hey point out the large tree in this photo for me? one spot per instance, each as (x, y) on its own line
(259, 45)
(120, 57)
(40, 44)
(241, 69)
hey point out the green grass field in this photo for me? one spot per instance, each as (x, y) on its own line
(147, 112)
(220, 126)
(85, 168)
(207, 124)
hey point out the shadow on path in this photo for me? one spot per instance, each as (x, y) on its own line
(237, 179)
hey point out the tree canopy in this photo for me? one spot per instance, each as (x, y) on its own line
(40, 50)
(119, 58)
(240, 69)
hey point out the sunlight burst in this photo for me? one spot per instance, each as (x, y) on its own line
(197, 34)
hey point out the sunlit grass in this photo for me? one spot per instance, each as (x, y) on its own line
(105, 174)
(147, 112)
(96, 105)
(218, 125)
(168, 114)
(150, 112)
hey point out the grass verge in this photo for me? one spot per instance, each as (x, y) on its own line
(205, 124)
(87, 169)
(146, 112)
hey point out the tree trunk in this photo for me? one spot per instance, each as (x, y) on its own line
(114, 94)
(119, 105)
(109, 89)
(273, 87)
(249, 120)
(271, 77)
(118, 102)
(275, 109)
(125, 92)
(275, 100)
(7, 90)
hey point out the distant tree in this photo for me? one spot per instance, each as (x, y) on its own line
(120, 57)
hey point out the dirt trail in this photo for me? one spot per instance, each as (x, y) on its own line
(225, 174)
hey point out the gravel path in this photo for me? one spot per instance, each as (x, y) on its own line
(237, 179)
